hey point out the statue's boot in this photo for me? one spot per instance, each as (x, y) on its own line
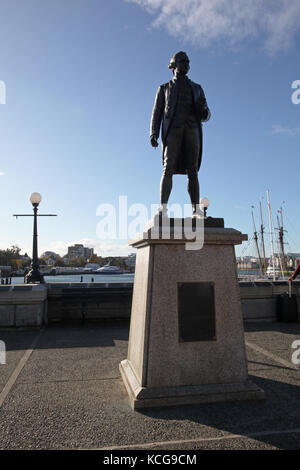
(163, 210)
(197, 212)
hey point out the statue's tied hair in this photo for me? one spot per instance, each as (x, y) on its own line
(175, 56)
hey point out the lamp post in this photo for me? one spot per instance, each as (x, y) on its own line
(34, 274)
(204, 203)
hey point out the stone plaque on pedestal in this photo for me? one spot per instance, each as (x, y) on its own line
(186, 342)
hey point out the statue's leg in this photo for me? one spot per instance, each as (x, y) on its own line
(172, 148)
(192, 146)
(193, 188)
(166, 185)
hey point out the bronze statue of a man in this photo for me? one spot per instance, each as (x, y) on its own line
(180, 108)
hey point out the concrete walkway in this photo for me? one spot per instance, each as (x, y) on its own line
(61, 389)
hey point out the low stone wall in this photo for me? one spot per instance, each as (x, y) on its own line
(260, 299)
(33, 305)
(24, 305)
(86, 301)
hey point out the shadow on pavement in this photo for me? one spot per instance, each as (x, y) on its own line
(71, 335)
(282, 327)
(280, 411)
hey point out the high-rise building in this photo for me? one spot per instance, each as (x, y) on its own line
(79, 251)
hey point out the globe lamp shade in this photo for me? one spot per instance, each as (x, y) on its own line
(35, 198)
(204, 202)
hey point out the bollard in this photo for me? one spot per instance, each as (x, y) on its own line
(287, 306)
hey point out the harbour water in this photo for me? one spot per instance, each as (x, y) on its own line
(128, 277)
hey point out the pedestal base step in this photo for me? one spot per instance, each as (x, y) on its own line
(145, 397)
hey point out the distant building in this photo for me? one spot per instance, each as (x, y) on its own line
(79, 251)
(250, 262)
(247, 262)
(292, 259)
(247, 265)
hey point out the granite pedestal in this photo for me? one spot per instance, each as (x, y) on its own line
(186, 342)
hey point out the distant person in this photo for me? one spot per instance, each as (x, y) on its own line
(295, 273)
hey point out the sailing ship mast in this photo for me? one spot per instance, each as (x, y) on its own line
(281, 242)
(262, 237)
(256, 242)
(271, 234)
(279, 249)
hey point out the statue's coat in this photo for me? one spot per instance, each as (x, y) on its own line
(163, 113)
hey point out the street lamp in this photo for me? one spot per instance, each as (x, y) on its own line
(34, 274)
(204, 203)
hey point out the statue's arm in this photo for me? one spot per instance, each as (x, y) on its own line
(205, 112)
(157, 115)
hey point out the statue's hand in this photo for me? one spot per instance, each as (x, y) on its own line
(153, 141)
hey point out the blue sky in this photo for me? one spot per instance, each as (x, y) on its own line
(81, 77)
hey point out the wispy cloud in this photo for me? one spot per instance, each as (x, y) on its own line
(1, 173)
(203, 22)
(277, 129)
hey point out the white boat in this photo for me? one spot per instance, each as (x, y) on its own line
(107, 269)
(273, 271)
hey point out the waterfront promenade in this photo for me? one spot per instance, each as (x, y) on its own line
(61, 389)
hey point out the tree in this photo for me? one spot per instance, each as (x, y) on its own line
(114, 261)
(19, 263)
(9, 256)
(78, 262)
(59, 262)
(15, 251)
(95, 259)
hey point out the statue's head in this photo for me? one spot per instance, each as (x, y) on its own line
(180, 63)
